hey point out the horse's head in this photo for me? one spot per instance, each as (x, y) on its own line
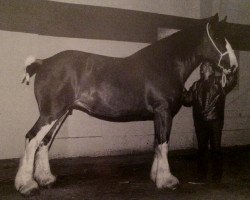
(216, 47)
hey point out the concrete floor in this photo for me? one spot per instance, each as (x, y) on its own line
(127, 177)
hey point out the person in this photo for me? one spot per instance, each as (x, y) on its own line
(207, 98)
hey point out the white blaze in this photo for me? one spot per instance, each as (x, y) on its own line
(232, 57)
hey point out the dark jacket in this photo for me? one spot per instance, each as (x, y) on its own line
(208, 97)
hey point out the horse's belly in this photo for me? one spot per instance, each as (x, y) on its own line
(114, 105)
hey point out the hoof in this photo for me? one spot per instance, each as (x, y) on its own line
(168, 181)
(46, 182)
(48, 185)
(33, 192)
(29, 189)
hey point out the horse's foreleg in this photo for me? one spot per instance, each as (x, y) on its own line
(160, 172)
(42, 172)
(24, 181)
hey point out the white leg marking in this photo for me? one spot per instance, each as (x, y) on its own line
(42, 173)
(232, 57)
(24, 181)
(153, 173)
(160, 172)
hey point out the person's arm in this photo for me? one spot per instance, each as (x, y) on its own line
(231, 81)
(187, 96)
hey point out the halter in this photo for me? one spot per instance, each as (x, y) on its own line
(224, 71)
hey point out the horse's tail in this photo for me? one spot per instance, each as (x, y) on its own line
(32, 65)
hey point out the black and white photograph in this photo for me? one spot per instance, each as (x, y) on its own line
(125, 99)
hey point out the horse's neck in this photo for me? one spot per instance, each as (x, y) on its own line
(185, 48)
(188, 66)
(186, 61)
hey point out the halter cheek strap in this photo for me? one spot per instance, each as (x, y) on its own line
(224, 71)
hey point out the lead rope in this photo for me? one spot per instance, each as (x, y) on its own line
(224, 71)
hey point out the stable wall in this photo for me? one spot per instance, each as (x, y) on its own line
(82, 135)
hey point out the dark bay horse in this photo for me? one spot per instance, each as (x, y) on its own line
(144, 86)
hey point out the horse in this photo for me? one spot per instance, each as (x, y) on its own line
(146, 85)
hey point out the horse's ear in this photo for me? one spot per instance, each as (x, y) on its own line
(224, 20)
(216, 16)
(214, 19)
(214, 22)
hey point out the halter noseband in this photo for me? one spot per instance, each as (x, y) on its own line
(224, 71)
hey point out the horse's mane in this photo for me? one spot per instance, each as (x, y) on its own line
(180, 42)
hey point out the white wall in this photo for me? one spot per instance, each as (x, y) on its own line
(81, 134)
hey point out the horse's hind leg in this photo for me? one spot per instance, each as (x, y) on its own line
(42, 172)
(24, 181)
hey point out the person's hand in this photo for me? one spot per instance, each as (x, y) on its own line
(227, 71)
